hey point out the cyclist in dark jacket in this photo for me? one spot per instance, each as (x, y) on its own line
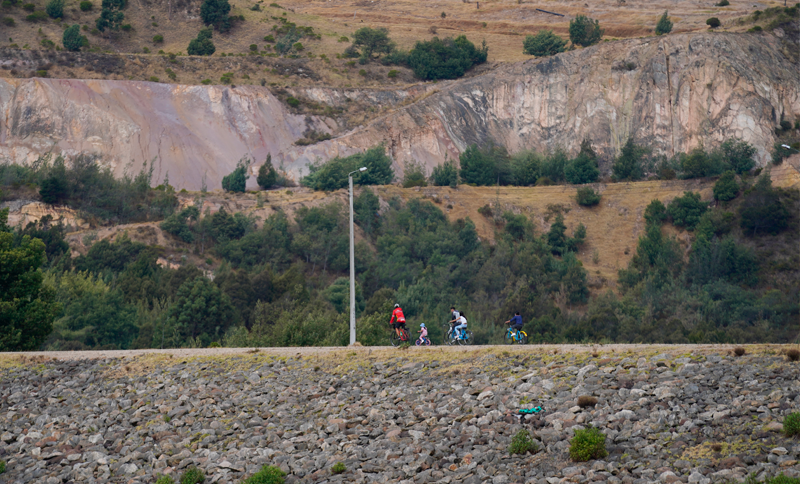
(516, 321)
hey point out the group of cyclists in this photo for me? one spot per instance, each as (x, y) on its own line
(458, 325)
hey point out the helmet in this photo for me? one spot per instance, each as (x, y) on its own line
(397, 305)
(421, 325)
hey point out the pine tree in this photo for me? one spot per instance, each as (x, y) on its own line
(664, 25)
(267, 176)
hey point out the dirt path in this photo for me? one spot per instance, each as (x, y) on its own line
(319, 351)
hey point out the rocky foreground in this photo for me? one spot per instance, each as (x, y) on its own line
(429, 415)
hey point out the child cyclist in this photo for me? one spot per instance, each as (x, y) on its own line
(423, 335)
(461, 325)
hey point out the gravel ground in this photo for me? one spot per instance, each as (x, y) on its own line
(689, 414)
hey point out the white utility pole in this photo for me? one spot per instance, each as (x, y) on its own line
(352, 263)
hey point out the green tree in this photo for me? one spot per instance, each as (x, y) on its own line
(726, 188)
(629, 165)
(762, 209)
(333, 174)
(55, 188)
(445, 175)
(713, 22)
(414, 175)
(445, 58)
(179, 224)
(111, 16)
(27, 308)
(545, 43)
(584, 31)
(55, 8)
(201, 311)
(697, 164)
(655, 212)
(372, 42)
(739, 155)
(72, 39)
(664, 25)
(215, 12)
(236, 181)
(267, 176)
(488, 166)
(525, 167)
(582, 169)
(587, 197)
(686, 211)
(202, 45)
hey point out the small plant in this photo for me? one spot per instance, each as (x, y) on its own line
(739, 351)
(8, 21)
(253, 48)
(193, 475)
(2, 466)
(587, 401)
(587, 197)
(215, 344)
(791, 424)
(793, 355)
(522, 443)
(37, 16)
(270, 39)
(338, 468)
(588, 443)
(158, 38)
(713, 22)
(145, 50)
(226, 78)
(127, 27)
(298, 46)
(162, 479)
(267, 475)
(362, 73)
(392, 74)
(167, 418)
(29, 7)
(205, 82)
(723, 3)
(343, 39)
(444, 14)
(41, 73)
(293, 101)
(86, 6)
(153, 79)
(47, 43)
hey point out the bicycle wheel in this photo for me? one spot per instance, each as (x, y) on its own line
(427, 342)
(394, 339)
(510, 338)
(523, 338)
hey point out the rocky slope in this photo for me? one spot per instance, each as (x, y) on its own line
(678, 414)
(670, 92)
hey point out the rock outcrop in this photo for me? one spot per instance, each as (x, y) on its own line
(671, 93)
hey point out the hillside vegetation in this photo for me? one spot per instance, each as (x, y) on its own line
(281, 279)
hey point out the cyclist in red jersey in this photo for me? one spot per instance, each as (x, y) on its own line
(401, 320)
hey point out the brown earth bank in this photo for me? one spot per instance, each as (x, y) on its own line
(665, 413)
(670, 93)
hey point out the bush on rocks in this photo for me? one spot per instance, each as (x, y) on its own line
(338, 468)
(587, 444)
(267, 475)
(522, 443)
(193, 475)
(791, 424)
(162, 479)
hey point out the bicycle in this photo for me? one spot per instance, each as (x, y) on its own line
(516, 336)
(396, 340)
(452, 338)
(426, 342)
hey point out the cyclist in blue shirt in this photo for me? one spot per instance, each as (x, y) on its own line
(516, 321)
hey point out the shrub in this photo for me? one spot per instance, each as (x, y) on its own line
(226, 78)
(793, 355)
(755, 28)
(343, 39)
(726, 188)
(739, 351)
(215, 12)
(791, 424)
(723, 3)
(55, 8)
(655, 213)
(8, 21)
(2, 467)
(522, 443)
(253, 48)
(545, 43)
(267, 475)
(445, 59)
(587, 197)
(292, 101)
(47, 43)
(158, 38)
(362, 73)
(154, 79)
(687, 210)
(126, 27)
(338, 468)
(587, 401)
(163, 479)
(414, 176)
(202, 44)
(193, 475)
(72, 38)
(267, 176)
(205, 82)
(445, 175)
(664, 25)
(588, 443)
(584, 31)
(333, 174)
(713, 22)
(392, 74)
(237, 179)
(85, 6)
(37, 16)
(29, 7)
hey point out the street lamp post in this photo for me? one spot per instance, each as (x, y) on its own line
(352, 263)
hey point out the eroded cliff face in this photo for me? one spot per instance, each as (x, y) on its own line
(671, 93)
